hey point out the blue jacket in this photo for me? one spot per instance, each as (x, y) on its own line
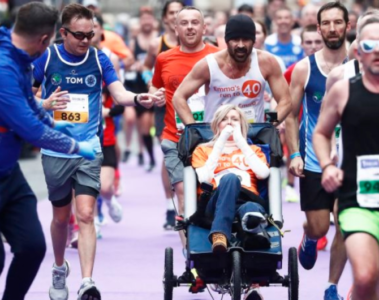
(20, 116)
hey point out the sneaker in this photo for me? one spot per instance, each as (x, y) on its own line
(140, 159)
(253, 294)
(98, 231)
(321, 243)
(150, 167)
(350, 294)
(59, 289)
(115, 209)
(88, 290)
(331, 293)
(291, 194)
(170, 220)
(126, 156)
(219, 244)
(307, 253)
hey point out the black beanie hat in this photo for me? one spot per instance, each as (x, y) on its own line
(240, 26)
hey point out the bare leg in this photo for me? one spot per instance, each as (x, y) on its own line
(59, 230)
(85, 207)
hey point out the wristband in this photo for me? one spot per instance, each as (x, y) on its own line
(327, 165)
(296, 154)
(136, 101)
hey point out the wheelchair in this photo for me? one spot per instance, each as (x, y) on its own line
(236, 270)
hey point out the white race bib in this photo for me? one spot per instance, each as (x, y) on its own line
(77, 110)
(196, 104)
(243, 176)
(368, 181)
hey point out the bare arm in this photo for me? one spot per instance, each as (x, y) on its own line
(299, 76)
(198, 76)
(279, 88)
(297, 92)
(151, 54)
(333, 104)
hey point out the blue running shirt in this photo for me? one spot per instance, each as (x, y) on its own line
(290, 53)
(314, 91)
(83, 78)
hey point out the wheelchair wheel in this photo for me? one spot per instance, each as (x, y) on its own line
(293, 275)
(168, 280)
(235, 280)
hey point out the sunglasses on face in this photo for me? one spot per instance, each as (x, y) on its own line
(80, 35)
(368, 46)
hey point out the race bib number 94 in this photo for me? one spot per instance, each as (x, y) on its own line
(76, 111)
(368, 181)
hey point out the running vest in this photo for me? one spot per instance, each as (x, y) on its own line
(83, 81)
(163, 46)
(314, 91)
(351, 69)
(245, 92)
(360, 123)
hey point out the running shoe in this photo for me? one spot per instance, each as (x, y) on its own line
(350, 294)
(140, 159)
(307, 253)
(59, 289)
(88, 290)
(126, 156)
(253, 294)
(150, 167)
(331, 293)
(321, 243)
(170, 220)
(291, 194)
(115, 209)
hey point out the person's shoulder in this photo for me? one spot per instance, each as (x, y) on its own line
(302, 65)
(271, 40)
(338, 72)
(169, 53)
(211, 48)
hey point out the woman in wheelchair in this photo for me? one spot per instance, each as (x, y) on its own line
(233, 167)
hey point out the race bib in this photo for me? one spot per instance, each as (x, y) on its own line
(76, 111)
(368, 181)
(249, 113)
(196, 104)
(243, 176)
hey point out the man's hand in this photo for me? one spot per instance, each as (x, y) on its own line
(57, 100)
(86, 150)
(63, 127)
(297, 166)
(148, 100)
(331, 178)
(161, 93)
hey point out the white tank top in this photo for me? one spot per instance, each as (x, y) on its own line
(246, 92)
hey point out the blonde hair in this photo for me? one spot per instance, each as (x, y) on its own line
(220, 114)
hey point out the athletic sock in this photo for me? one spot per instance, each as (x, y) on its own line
(170, 204)
(148, 142)
(329, 284)
(62, 267)
(86, 279)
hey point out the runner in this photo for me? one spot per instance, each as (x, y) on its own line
(24, 120)
(166, 41)
(170, 69)
(283, 43)
(80, 69)
(354, 103)
(236, 75)
(139, 46)
(308, 87)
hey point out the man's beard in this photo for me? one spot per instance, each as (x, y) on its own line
(232, 53)
(334, 45)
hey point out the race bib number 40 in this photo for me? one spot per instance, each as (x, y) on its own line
(76, 111)
(368, 181)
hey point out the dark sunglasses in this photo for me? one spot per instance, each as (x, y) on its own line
(80, 35)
